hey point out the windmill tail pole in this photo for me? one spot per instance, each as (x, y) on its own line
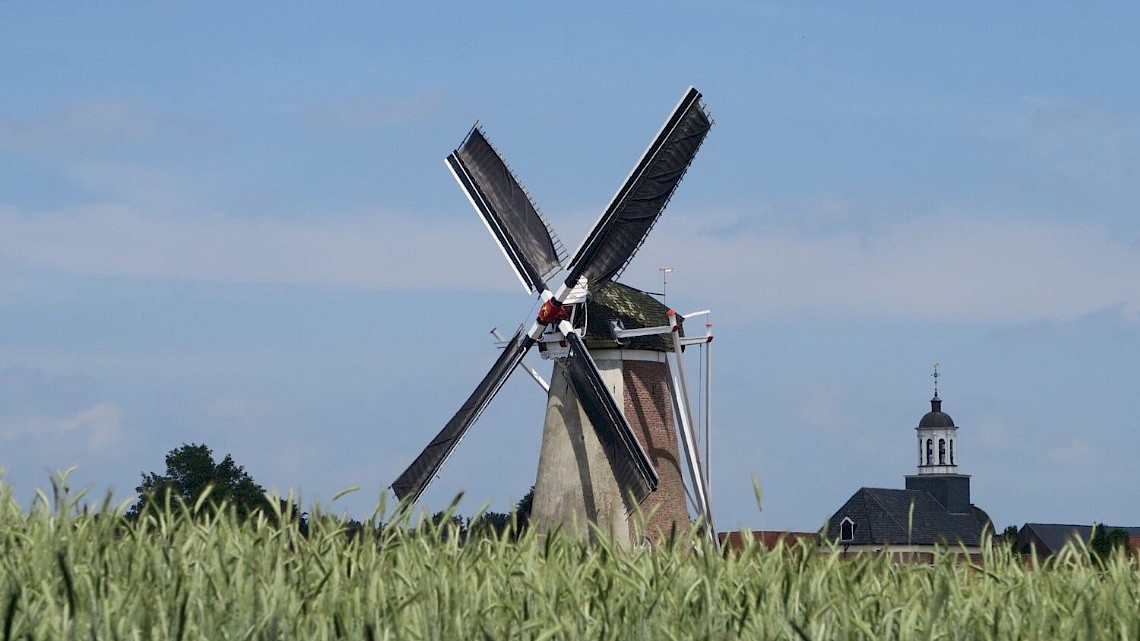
(680, 391)
(708, 408)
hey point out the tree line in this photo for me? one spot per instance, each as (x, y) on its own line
(194, 479)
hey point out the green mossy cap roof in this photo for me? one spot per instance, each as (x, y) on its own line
(635, 309)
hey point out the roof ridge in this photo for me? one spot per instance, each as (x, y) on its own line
(870, 521)
(909, 530)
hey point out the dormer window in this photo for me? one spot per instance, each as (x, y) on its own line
(847, 530)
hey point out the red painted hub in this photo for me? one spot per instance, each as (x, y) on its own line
(552, 312)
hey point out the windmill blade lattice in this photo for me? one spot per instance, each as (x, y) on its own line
(412, 482)
(638, 204)
(522, 233)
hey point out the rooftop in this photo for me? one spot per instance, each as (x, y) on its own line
(903, 517)
(634, 308)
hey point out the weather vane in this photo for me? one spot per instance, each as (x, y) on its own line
(935, 375)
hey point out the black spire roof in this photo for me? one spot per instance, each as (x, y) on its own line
(936, 417)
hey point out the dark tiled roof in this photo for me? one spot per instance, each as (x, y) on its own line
(883, 517)
(634, 308)
(1056, 535)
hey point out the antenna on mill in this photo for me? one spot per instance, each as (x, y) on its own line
(664, 274)
(935, 375)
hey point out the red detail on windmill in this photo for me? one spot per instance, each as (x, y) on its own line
(552, 312)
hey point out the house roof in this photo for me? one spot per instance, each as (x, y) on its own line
(903, 517)
(635, 309)
(1054, 536)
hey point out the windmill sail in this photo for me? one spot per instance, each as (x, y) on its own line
(525, 238)
(521, 232)
(412, 481)
(632, 469)
(621, 230)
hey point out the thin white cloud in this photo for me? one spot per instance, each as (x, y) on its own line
(1077, 453)
(108, 121)
(824, 409)
(1131, 310)
(950, 268)
(143, 187)
(242, 409)
(14, 287)
(381, 251)
(94, 428)
(994, 433)
(953, 268)
(100, 424)
(367, 113)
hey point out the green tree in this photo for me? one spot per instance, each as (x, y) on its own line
(1105, 542)
(1008, 538)
(448, 525)
(489, 524)
(190, 470)
(494, 524)
(524, 507)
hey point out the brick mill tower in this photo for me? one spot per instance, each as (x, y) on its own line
(575, 486)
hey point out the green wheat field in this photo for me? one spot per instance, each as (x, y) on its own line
(76, 573)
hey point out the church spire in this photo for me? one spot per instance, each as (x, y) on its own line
(935, 402)
(937, 436)
(938, 457)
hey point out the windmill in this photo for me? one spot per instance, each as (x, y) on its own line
(594, 458)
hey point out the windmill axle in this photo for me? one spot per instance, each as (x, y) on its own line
(552, 312)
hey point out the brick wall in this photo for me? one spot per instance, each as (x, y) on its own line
(649, 410)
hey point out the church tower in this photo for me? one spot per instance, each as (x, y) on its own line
(938, 458)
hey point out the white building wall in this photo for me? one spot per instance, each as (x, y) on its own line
(939, 461)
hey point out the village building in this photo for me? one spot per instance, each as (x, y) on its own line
(1047, 539)
(934, 509)
(768, 540)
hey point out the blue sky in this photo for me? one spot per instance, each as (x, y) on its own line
(233, 225)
